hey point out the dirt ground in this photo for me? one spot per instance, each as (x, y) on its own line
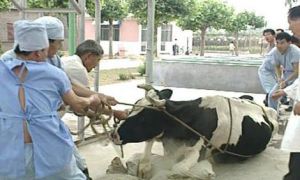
(269, 165)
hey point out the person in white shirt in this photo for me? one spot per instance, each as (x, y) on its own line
(87, 56)
(291, 139)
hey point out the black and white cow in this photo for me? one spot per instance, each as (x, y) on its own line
(241, 126)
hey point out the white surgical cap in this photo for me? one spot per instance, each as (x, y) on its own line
(30, 36)
(54, 27)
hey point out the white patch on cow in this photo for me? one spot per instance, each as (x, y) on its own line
(202, 170)
(153, 98)
(191, 155)
(144, 102)
(137, 109)
(239, 109)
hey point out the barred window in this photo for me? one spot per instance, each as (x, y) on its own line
(166, 33)
(105, 30)
(144, 33)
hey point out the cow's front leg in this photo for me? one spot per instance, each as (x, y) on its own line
(191, 156)
(144, 167)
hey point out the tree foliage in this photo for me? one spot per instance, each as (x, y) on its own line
(165, 10)
(290, 3)
(47, 3)
(110, 9)
(4, 5)
(206, 14)
(243, 21)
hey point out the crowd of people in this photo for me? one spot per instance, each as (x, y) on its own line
(279, 77)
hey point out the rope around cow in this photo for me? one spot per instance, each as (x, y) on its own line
(208, 142)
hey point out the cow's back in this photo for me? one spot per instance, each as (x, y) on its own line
(247, 126)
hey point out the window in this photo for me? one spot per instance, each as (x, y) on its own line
(163, 46)
(166, 33)
(144, 33)
(104, 32)
(143, 48)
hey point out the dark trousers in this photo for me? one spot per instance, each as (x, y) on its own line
(294, 167)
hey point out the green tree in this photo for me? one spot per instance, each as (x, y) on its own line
(243, 21)
(206, 14)
(47, 3)
(290, 3)
(4, 5)
(111, 10)
(165, 11)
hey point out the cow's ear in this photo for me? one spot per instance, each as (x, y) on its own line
(165, 94)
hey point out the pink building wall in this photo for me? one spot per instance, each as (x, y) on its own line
(129, 31)
(89, 29)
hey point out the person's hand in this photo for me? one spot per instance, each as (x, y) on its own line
(111, 100)
(95, 102)
(282, 84)
(277, 94)
(121, 115)
(297, 108)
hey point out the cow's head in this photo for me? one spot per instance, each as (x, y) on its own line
(143, 123)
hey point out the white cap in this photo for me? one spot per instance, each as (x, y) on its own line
(30, 36)
(54, 27)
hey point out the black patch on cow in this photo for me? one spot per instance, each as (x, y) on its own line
(253, 140)
(247, 97)
(149, 123)
(203, 120)
(144, 126)
(165, 94)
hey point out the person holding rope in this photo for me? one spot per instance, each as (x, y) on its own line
(286, 57)
(291, 136)
(87, 55)
(37, 142)
(55, 35)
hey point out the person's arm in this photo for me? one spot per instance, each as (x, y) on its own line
(278, 72)
(85, 92)
(290, 91)
(297, 108)
(293, 76)
(79, 104)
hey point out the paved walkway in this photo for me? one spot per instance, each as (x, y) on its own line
(119, 63)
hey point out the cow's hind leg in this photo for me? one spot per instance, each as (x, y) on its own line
(191, 156)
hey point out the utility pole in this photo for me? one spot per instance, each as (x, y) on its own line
(150, 36)
(98, 39)
(82, 4)
(71, 32)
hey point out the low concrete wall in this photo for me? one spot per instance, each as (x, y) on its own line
(208, 75)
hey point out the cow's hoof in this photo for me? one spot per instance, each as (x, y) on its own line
(144, 170)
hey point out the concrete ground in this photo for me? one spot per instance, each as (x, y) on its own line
(269, 165)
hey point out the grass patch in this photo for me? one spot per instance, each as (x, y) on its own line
(113, 75)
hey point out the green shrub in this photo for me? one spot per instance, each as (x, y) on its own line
(142, 69)
(123, 77)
